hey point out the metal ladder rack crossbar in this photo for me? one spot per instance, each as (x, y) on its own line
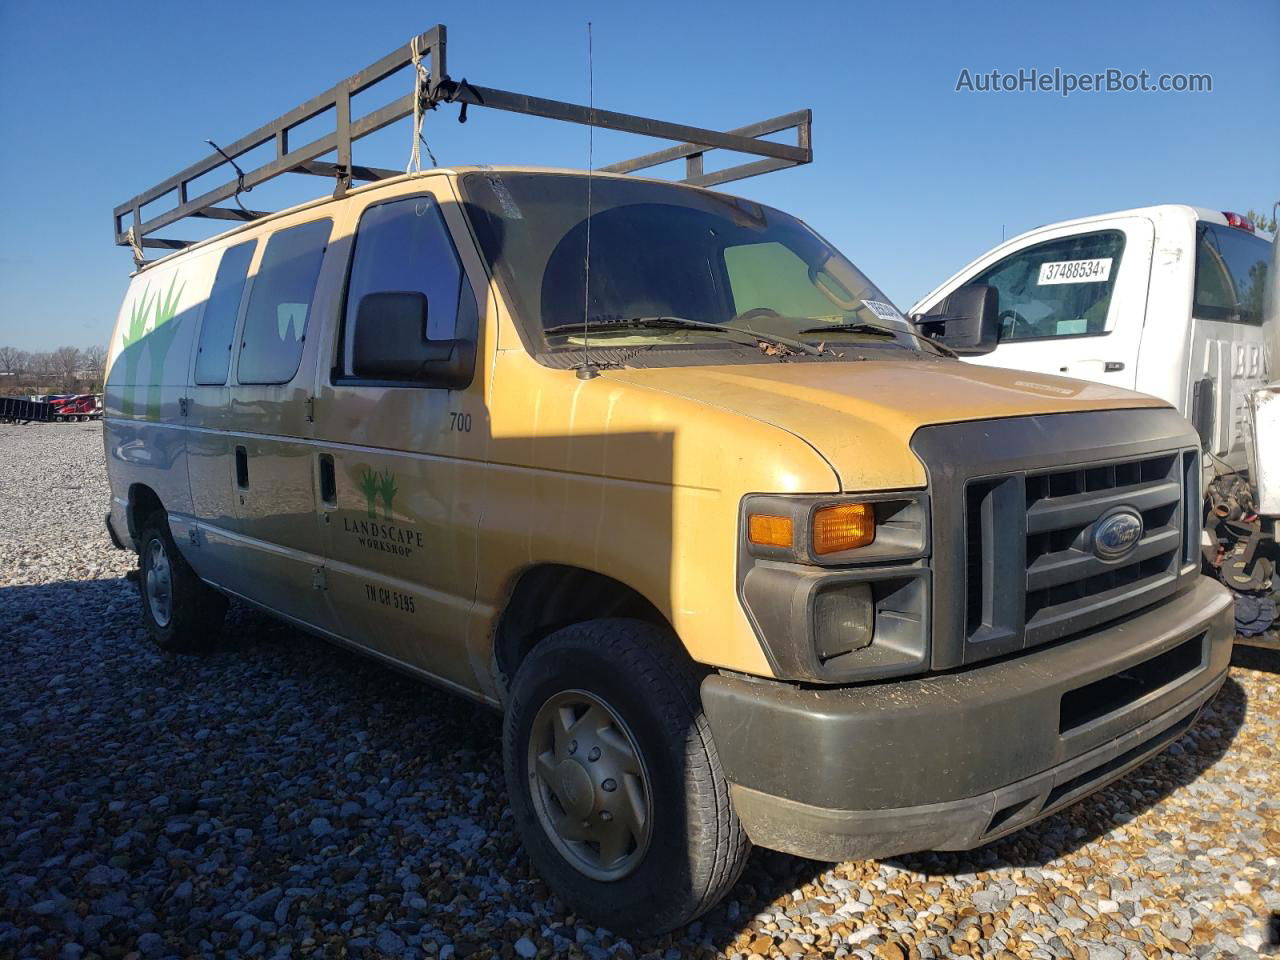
(693, 143)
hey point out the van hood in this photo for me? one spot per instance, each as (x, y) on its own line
(860, 416)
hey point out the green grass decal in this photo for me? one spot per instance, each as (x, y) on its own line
(133, 334)
(387, 487)
(161, 339)
(370, 485)
(154, 312)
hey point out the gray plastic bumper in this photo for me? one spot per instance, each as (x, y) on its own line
(115, 537)
(955, 760)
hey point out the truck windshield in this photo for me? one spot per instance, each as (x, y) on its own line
(668, 252)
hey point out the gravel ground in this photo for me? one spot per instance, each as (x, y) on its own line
(282, 797)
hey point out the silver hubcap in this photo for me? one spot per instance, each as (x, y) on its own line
(159, 583)
(589, 785)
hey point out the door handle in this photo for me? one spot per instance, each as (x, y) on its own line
(328, 480)
(242, 468)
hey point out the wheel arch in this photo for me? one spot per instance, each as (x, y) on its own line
(550, 596)
(143, 501)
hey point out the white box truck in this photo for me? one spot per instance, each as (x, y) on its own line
(1169, 300)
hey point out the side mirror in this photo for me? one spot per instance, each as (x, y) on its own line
(967, 320)
(391, 344)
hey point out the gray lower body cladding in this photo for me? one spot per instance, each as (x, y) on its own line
(951, 761)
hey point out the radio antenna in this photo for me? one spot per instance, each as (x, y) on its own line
(588, 370)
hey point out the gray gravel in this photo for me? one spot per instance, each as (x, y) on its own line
(282, 797)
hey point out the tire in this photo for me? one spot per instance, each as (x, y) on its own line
(693, 848)
(191, 620)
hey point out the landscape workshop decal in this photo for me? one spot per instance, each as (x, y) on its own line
(389, 538)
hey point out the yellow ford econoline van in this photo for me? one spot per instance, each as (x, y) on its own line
(741, 557)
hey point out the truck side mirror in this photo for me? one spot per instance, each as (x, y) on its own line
(391, 344)
(967, 320)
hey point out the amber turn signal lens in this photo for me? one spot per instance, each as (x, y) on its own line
(766, 531)
(843, 527)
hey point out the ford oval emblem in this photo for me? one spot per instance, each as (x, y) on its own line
(1117, 533)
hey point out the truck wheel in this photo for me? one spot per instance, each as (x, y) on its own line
(183, 612)
(614, 781)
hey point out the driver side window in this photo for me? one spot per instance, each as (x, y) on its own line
(1060, 288)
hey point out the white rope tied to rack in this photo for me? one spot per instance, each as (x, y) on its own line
(421, 81)
(138, 258)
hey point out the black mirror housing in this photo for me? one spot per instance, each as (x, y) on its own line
(391, 344)
(966, 321)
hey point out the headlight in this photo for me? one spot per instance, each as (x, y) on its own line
(841, 527)
(844, 619)
(837, 588)
(836, 531)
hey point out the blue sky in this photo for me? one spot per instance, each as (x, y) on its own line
(911, 179)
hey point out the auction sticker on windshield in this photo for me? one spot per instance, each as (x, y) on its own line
(883, 311)
(1075, 271)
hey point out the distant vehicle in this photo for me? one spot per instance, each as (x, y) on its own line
(1167, 300)
(83, 407)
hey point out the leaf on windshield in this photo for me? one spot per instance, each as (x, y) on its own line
(774, 349)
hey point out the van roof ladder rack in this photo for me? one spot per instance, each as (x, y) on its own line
(692, 143)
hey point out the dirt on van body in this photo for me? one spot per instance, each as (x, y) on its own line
(283, 797)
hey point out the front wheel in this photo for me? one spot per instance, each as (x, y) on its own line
(183, 613)
(614, 780)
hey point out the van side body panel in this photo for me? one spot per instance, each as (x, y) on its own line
(408, 465)
(148, 358)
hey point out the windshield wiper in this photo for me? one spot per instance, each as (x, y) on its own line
(682, 323)
(863, 326)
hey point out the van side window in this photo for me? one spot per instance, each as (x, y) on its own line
(275, 323)
(1231, 273)
(218, 326)
(1060, 288)
(404, 245)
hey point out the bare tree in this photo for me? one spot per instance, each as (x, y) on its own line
(95, 362)
(66, 363)
(13, 362)
(39, 371)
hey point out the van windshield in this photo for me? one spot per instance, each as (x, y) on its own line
(662, 253)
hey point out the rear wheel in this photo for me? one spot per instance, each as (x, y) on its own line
(183, 612)
(614, 780)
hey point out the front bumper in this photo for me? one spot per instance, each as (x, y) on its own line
(115, 537)
(955, 760)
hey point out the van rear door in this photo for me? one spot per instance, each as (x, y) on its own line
(1072, 298)
(268, 425)
(209, 444)
(1227, 358)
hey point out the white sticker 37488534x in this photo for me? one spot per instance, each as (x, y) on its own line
(1075, 271)
(884, 311)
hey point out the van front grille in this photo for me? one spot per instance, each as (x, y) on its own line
(1068, 586)
(1024, 550)
(1031, 565)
